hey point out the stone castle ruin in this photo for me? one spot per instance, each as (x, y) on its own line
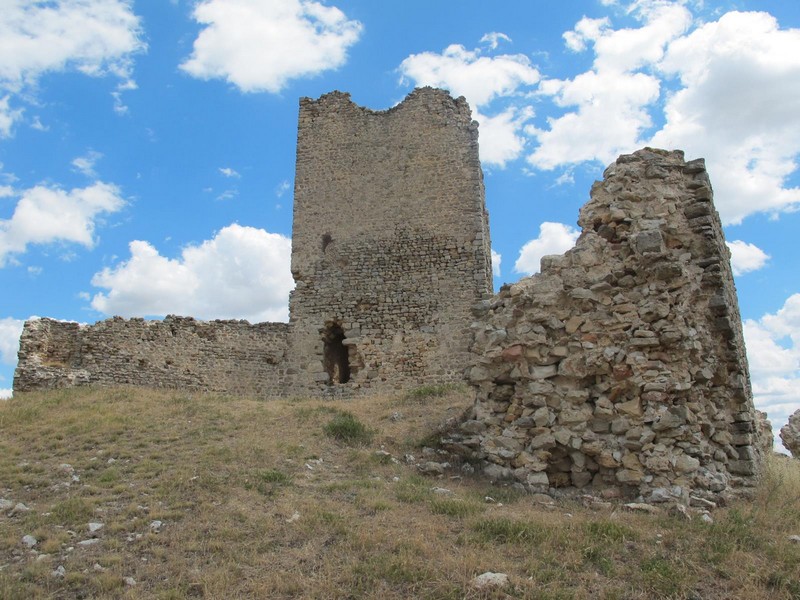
(390, 251)
(620, 367)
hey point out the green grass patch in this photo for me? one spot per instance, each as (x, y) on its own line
(455, 507)
(509, 531)
(346, 428)
(608, 531)
(72, 512)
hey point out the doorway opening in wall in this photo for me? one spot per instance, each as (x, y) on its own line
(334, 354)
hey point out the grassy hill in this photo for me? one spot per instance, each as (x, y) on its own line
(202, 496)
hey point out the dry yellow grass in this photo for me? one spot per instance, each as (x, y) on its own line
(256, 500)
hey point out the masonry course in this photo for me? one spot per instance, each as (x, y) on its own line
(619, 368)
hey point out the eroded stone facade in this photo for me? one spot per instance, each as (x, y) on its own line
(621, 366)
(390, 249)
(232, 357)
(790, 434)
(390, 241)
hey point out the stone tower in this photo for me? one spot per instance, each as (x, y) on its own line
(390, 246)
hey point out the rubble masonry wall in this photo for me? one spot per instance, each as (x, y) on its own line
(621, 366)
(390, 240)
(232, 357)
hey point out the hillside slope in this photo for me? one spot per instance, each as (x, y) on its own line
(192, 495)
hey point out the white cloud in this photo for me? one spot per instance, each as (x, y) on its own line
(554, 238)
(500, 136)
(227, 195)
(260, 45)
(5, 393)
(37, 124)
(228, 172)
(611, 115)
(725, 90)
(10, 330)
(480, 79)
(8, 116)
(96, 38)
(494, 38)
(85, 164)
(44, 215)
(607, 106)
(746, 257)
(283, 187)
(242, 273)
(737, 107)
(496, 260)
(773, 352)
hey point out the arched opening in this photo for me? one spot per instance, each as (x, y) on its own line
(335, 354)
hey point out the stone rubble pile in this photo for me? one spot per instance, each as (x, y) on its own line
(621, 367)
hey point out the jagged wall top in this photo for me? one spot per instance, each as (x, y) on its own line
(621, 366)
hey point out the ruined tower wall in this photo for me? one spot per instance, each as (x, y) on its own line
(390, 249)
(231, 357)
(621, 367)
(390, 243)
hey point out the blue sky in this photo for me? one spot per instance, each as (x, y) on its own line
(147, 148)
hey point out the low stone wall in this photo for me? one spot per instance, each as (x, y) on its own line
(231, 357)
(621, 367)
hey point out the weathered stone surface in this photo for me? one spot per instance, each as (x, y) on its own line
(390, 256)
(790, 434)
(652, 394)
(221, 356)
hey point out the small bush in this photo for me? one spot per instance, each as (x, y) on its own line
(346, 428)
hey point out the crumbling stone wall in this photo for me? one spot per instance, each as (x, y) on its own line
(790, 434)
(390, 243)
(232, 357)
(621, 367)
(390, 249)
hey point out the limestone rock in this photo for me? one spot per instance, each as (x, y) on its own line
(490, 580)
(790, 434)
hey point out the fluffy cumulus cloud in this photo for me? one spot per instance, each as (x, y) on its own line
(260, 45)
(46, 215)
(773, 351)
(10, 330)
(725, 89)
(241, 273)
(497, 258)
(469, 73)
(737, 107)
(96, 38)
(481, 78)
(554, 238)
(746, 257)
(606, 109)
